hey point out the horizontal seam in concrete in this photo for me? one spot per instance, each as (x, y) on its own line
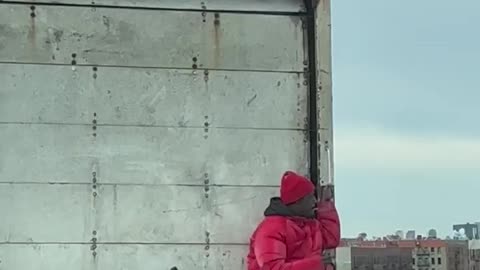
(152, 67)
(103, 6)
(124, 243)
(149, 126)
(138, 184)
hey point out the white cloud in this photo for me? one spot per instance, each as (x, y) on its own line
(378, 149)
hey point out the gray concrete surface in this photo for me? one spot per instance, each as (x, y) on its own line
(227, 5)
(45, 153)
(153, 38)
(139, 96)
(129, 157)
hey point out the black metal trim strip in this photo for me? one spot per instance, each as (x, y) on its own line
(253, 12)
(312, 91)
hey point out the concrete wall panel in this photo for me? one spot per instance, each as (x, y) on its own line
(123, 96)
(228, 5)
(227, 257)
(45, 213)
(122, 37)
(168, 214)
(150, 257)
(234, 212)
(49, 256)
(258, 100)
(255, 157)
(125, 256)
(136, 155)
(183, 156)
(46, 153)
(151, 155)
(45, 94)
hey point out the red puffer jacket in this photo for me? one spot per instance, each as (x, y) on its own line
(284, 242)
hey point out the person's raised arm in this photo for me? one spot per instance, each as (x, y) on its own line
(328, 218)
(270, 251)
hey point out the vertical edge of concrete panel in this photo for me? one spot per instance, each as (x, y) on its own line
(324, 84)
(324, 101)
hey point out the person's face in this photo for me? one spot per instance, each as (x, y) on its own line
(305, 207)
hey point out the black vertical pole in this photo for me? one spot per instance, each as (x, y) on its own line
(312, 91)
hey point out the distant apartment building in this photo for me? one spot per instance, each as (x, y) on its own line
(422, 254)
(427, 254)
(410, 235)
(457, 255)
(438, 254)
(374, 258)
(472, 230)
(474, 254)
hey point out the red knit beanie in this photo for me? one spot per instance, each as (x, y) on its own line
(294, 187)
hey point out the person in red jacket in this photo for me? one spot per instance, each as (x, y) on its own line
(296, 228)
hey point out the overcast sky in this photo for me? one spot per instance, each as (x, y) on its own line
(406, 111)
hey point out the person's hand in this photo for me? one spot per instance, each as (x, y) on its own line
(326, 193)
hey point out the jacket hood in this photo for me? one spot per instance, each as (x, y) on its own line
(278, 208)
